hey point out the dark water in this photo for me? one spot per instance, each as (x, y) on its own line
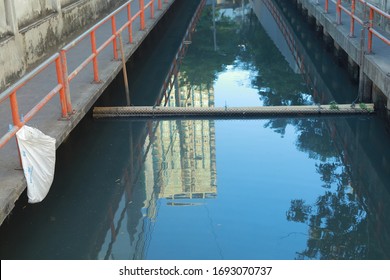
(300, 188)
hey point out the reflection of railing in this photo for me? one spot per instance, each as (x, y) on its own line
(370, 196)
(351, 11)
(60, 59)
(173, 71)
(287, 34)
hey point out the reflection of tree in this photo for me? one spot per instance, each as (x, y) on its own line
(337, 226)
(337, 220)
(202, 63)
(287, 87)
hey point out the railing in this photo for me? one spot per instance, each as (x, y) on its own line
(11, 95)
(60, 60)
(362, 19)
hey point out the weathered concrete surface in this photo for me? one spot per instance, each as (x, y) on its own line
(30, 30)
(83, 94)
(376, 65)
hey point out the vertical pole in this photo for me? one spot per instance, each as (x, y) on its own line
(352, 27)
(94, 60)
(361, 66)
(114, 45)
(142, 15)
(130, 28)
(338, 10)
(60, 79)
(326, 6)
(152, 9)
(124, 70)
(160, 5)
(16, 119)
(214, 28)
(65, 80)
(370, 26)
(15, 110)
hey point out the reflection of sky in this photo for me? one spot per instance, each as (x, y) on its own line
(259, 173)
(233, 88)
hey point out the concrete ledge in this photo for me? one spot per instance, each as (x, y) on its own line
(84, 95)
(376, 65)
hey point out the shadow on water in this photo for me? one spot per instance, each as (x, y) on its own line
(299, 188)
(72, 221)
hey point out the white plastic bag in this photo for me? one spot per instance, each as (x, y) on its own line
(38, 154)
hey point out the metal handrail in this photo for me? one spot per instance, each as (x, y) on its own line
(60, 60)
(68, 77)
(11, 94)
(369, 24)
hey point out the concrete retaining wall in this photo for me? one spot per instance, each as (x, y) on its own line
(376, 67)
(32, 30)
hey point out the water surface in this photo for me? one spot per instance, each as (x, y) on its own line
(298, 188)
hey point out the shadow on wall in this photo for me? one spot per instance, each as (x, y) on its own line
(32, 30)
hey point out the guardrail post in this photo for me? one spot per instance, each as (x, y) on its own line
(370, 26)
(142, 15)
(65, 81)
(152, 9)
(130, 28)
(338, 12)
(352, 25)
(114, 43)
(16, 118)
(94, 60)
(160, 5)
(60, 79)
(15, 110)
(326, 6)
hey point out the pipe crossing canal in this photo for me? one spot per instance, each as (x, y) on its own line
(234, 112)
(302, 187)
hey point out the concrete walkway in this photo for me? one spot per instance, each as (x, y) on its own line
(84, 93)
(376, 64)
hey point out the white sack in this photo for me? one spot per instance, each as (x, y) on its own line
(38, 154)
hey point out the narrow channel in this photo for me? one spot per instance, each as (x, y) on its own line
(283, 188)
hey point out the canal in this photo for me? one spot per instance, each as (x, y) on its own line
(281, 188)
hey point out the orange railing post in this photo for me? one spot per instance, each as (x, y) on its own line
(142, 14)
(352, 27)
(15, 110)
(94, 60)
(326, 6)
(114, 43)
(152, 9)
(160, 4)
(130, 28)
(338, 12)
(60, 79)
(370, 26)
(65, 80)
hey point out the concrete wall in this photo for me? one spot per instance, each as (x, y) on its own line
(31, 30)
(3, 22)
(375, 67)
(30, 11)
(65, 3)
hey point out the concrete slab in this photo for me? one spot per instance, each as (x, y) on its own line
(376, 64)
(84, 93)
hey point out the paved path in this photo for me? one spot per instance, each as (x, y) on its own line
(376, 64)
(84, 93)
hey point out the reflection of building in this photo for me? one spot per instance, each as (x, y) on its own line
(184, 150)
